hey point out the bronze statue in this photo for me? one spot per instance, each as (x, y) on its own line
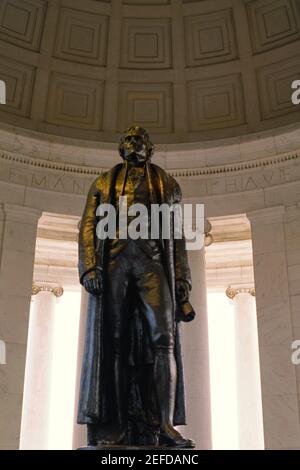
(132, 388)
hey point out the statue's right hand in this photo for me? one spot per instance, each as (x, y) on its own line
(93, 283)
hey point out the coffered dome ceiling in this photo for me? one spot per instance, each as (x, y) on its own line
(187, 70)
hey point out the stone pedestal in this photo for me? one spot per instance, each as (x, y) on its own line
(113, 448)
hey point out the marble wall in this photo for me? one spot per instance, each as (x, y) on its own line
(275, 273)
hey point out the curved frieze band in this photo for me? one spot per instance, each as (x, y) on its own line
(67, 178)
(182, 172)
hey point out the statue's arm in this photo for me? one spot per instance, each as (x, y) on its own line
(86, 243)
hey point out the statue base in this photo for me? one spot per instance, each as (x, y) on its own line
(114, 447)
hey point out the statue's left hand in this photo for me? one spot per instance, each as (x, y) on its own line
(182, 291)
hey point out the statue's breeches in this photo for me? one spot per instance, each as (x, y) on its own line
(132, 271)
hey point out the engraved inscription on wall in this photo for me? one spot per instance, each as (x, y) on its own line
(225, 183)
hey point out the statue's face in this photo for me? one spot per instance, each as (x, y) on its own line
(134, 148)
(135, 145)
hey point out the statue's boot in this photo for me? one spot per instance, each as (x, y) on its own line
(165, 380)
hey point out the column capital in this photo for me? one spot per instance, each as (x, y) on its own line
(232, 292)
(24, 214)
(208, 238)
(57, 291)
(267, 215)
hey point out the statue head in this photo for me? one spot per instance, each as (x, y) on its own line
(136, 145)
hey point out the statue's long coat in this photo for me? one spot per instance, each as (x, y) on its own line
(96, 397)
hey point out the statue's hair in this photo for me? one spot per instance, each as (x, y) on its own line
(137, 130)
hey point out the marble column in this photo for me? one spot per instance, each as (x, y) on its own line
(18, 225)
(292, 240)
(195, 348)
(275, 281)
(38, 374)
(250, 422)
(80, 431)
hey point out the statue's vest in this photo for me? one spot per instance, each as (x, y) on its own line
(136, 191)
